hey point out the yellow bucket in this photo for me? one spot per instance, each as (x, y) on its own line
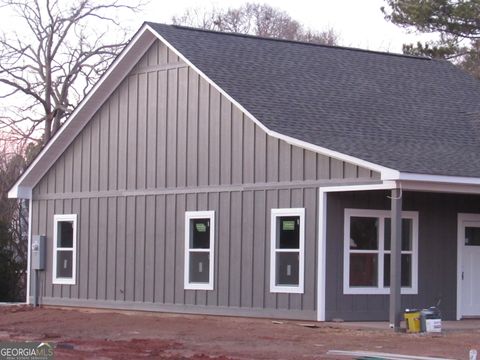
(412, 318)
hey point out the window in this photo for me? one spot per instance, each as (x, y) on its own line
(199, 245)
(287, 250)
(367, 252)
(64, 248)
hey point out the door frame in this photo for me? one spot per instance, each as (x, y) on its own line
(460, 245)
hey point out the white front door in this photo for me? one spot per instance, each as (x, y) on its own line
(468, 265)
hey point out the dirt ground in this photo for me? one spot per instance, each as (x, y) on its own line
(88, 333)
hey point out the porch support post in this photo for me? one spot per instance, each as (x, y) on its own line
(395, 259)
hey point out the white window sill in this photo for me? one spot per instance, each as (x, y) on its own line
(377, 291)
(287, 289)
(63, 281)
(198, 286)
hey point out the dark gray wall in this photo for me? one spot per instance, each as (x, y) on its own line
(166, 142)
(437, 257)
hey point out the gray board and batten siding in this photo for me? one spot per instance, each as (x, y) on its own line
(166, 142)
(437, 253)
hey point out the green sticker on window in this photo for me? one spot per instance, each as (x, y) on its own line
(288, 225)
(201, 227)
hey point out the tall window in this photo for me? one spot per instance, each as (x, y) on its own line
(199, 249)
(287, 250)
(64, 248)
(367, 249)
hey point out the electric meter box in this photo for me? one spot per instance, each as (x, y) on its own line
(38, 252)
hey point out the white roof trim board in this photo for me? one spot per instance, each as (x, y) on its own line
(120, 68)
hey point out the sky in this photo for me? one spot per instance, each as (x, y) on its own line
(359, 23)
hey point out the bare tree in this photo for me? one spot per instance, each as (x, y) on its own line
(46, 72)
(255, 19)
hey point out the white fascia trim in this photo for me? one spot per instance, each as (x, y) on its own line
(322, 235)
(386, 173)
(123, 64)
(460, 180)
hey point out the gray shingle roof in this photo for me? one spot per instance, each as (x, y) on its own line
(407, 113)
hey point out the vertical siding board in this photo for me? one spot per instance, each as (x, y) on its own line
(297, 201)
(93, 249)
(310, 203)
(51, 179)
(271, 203)
(76, 209)
(192, 126)
(132, 150)
(142, 132)
(150, 249)
(182, 127)
(160, 248)
(162, 129)
(284, 201)
(170, 227)
(247, 249)
(237, 146)
(60, 174)
(350, 171)
(202, 203)
(172, 128)
(152, 54)
(214, 141)
(298, 158)
(83, 272)
(113, 140)
(139, 244)
(260, 241)
(95, 153)
(336, 167)
(179, 249)
(225, 141)
(57, 209)
(272, 159)
(111, 239)
(50, 210)
(248, 151)
(152, 129)
(235, 248)
(121, 254)
(310, 161)
(162, 54)
(42, 230)
(102, 270)
(122, 136)
(260, 155)
(130, 249)
(104, 146)
(213, 204)
(190, 205)
(203, 132)
(285, 162)
(363, 173)
(223, 255)
(323, 167)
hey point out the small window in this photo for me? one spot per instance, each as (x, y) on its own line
(64, 249)
(368, 248)
(199, 245)
(287, 254)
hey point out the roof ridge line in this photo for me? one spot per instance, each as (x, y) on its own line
(339, 47)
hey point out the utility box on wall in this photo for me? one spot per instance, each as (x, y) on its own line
(38, 252)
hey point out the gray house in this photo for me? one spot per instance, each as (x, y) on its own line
(227, 174)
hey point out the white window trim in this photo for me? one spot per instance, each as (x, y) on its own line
(301, 266)
(380, 290)
(199, 215)
(61, 280)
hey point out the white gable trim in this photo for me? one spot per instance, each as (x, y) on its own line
(120, 68)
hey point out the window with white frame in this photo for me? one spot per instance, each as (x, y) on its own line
(287, 250)
(199, 249)
(367, 248)
(64, 248)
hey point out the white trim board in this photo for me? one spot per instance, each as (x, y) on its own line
(66, 218)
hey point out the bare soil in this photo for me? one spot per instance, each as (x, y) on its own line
(105, 334)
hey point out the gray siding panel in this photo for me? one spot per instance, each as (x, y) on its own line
(167, 129)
